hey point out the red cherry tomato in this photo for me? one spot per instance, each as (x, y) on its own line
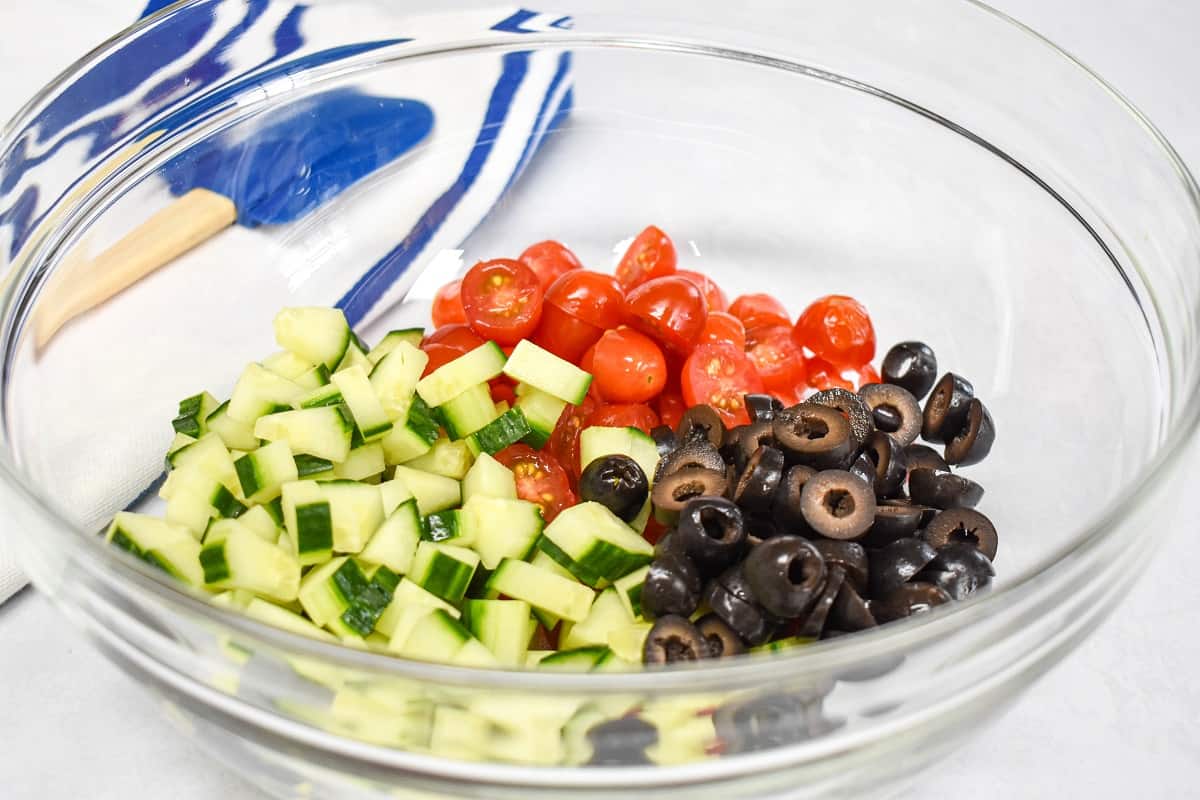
(625, 415)
(837, 329)
(593, 297)
(628, 366)
(867, 375)
(722, 327)
(565, 335)
(669, 310)
(654, 530)
(778, 360)
(440, 354)
(459, 335)
(548, 260)
(714, 298)
(720, 376)
(822, 375)
(652, 255)
(756, 310)
(448, 305)
(564, 440)
(503, 300)
(540, 478)
(671, 408)
(502, 391)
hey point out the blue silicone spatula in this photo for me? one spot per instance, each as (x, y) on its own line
(295, 160)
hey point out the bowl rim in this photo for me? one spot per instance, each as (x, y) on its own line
(823, 657)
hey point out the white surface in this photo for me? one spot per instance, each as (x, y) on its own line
(1116, 719)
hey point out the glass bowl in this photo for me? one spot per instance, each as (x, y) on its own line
(973, 185)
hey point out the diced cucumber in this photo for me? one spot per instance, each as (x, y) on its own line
(598, 441)
(239, 559)
(502, 626)
(259, 392)
(180, 441)
(395, 542)
(541, 589)
(436, 637)
(312, 467)
(545, 562)
(326, 395)
(500, 528)
(398, 622)
(593, 543)
(629, 641)
(395, 379)
(543, 370)
(356, 510)
(468, 411)
(258, 520)
(487, 477)
(582, 659)
(433, 492)
(363, 462)
(475, 654)
(606, 615)
(509, 428)
(315, 378)
(452, 379)
(194, 497)
(442, 526)
(392, 339)
(316, 334)
(356, 356)
(629, 590)
(236, 435)
(309, 521)
(193, 414)
(264, 472)
(403, 444)
(209, 455)
(534, 657)
(340, 595)
(287, 364)
(612, 662)
(779, 645)
(172, 548)
(393, 493)
(451, 459)
(323, 432)
(272, 614)
(444, 570)
(542, 411)
(409, 595)
(369, 417)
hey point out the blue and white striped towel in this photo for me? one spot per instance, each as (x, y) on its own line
(488, 125)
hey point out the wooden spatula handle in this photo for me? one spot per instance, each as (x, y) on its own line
(192, 219)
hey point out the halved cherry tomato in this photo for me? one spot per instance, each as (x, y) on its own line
(714, 298)
(625, 415)
(628, 367)
(503, 300)
(671, 408)
(548, 260)
(822, 375)
(721, 327)
(755, 310)
(652, 255)
(502, 390)
(540, 478)
(440, 354)
(838, 329)
(654, 530)
(448, 305)
(593, 297)
(458, 335)
(565, 335)
(779, 360)
(867, 374)
(720, 376)
(564, 440)
(669, 310)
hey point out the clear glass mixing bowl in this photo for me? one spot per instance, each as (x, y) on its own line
(973, 185)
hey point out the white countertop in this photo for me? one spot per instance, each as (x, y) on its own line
(1116, 719)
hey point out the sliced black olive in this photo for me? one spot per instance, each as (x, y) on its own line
(697, 453)
(770, 720)
(785, 574)
(664, 440)
(900, 411)
(850, 404)
(722, 640)
(906, 600)
(617, 482)
(893, 520)
(669, 542)
(785, 508)
(850, 612)
(946, 408)
(911, 365)
(837, 505)
(673, 490)
(972, 444)
(621, 742)
(943, 489)
(849, 557)
(817, 616)
(897, 564)
(762, 407)
(891, 465)
(965, 525)
(760, 527)
(701, 419)
(921, 456)
(753, 436)
(863, 468)
(712, 532)
(730, 598)
(755, 488)
(960, 569)
(673, 639)
(672, 586)
(814, 435)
